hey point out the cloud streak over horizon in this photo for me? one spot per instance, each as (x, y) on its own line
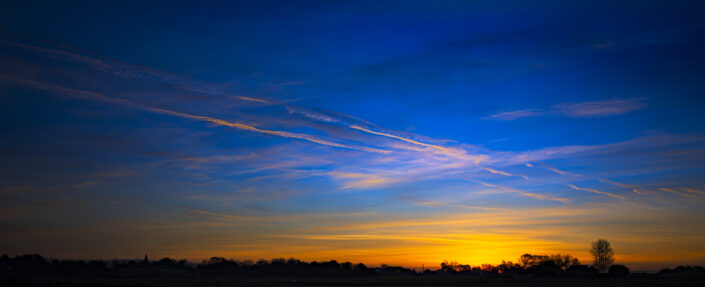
(603, 108)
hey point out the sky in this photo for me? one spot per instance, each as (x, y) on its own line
(403, 133)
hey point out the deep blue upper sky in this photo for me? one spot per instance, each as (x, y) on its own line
(462, 61)
(364, 107)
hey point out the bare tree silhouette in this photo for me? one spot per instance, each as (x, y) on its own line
(603, 253)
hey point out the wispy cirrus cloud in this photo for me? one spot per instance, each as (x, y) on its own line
(567, 151)
(634, 188)
(521, 192)
(361, 180)
(445, 204)
(500, 172)
(220, 216)
(596, 191)
(518, 114)
(354, 180)
(494, 171)
(555, 170)
(437, 147)
(588, 109)
(550, 168)
(99, 97)
(670, 190)
(285, 134)
(127, 70)
(694, 191)
(611, 107)
(404, 157)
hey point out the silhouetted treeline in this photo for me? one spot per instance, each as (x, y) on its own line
(555, 266)
(33, 264)
(528, 266)
(528, 263)
(683, 271)
(284, 267)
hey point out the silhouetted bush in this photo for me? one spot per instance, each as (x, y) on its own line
(683, 271)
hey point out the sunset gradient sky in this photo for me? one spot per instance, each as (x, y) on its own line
(404, 133)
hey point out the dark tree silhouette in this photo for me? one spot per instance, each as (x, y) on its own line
(525, 260)
(565, 261)
(562, 261)
(603, 253)
(618, 270)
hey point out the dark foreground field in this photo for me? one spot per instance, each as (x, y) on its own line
(375, 281)
(34, 270)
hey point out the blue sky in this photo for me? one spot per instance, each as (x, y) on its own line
(384, 132)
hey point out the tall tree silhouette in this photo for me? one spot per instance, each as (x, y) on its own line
(603, 253)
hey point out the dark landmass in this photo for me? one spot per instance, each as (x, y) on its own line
(34, 270)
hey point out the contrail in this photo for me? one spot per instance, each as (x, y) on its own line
(269, 132)
(99, 97)
(494, 171)
(596, 191)
(674, 192)
(695, 191)
(128, 70)
(553, 169)
(524, 193)
(548, 167)
(634, 188)
(399, 138)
